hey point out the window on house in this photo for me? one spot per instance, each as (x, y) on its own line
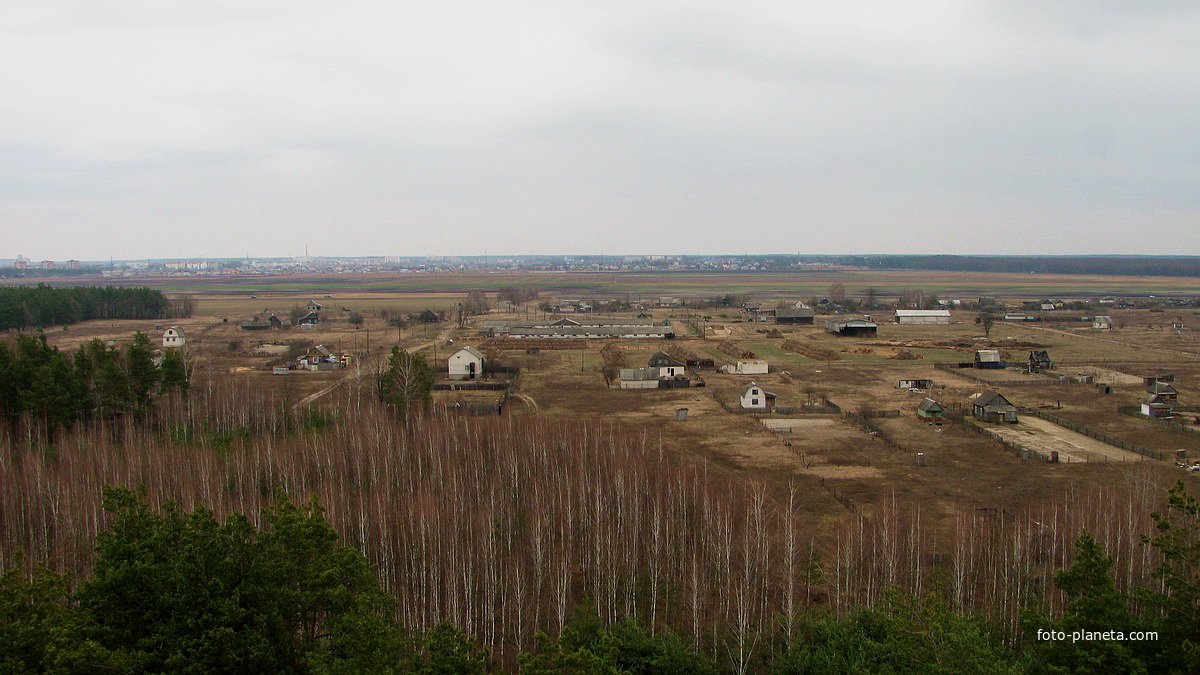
(753, 401)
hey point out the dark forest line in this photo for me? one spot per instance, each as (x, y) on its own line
(41, 306)
(1160, 266)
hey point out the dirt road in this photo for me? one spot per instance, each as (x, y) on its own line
(1042, 436)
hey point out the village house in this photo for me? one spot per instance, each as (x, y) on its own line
(1153, 405)
(798, 315)
(914, 383)
(465, 364)
(992, 407)
(988, 358)
(667, 366)
(1102, 322)
(309, 320)
(930, 411)
(320, 357)
(923, 316)
(1039, 359)
(173, 337)
(268, 323)
(313, 306)
(662, 371)
(1164, 391)
(754, 397)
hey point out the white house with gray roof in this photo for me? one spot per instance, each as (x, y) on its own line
(465, 364)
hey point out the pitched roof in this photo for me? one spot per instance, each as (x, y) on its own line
(988, 355)
(851, 321)
(992, 398)
(662, 360)
(930, 405)
(746, 389)
(1162, 388)
(473, 352)
(1155, 401)
(922, 312)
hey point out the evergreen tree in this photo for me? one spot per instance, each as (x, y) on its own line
(905, 635)
(39, 630)
(85, 373)
(176, 591)
(10, 390)
(1093, 605)
(586, 645)
(144, 376)
(1178, 540)
(175, 372)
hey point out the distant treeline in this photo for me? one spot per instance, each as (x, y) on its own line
(41, 306)
(1164, 266)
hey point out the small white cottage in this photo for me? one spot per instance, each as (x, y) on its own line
(667, 366)
(465, 364)
(173, 337)
(755, 397)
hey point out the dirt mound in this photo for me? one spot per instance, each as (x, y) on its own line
(905, 355)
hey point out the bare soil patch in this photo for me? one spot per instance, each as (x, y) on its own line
(1042, 437)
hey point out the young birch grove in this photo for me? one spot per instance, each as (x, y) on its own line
(503, 526)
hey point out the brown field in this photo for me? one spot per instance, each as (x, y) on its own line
(838, 466)
(637, 285)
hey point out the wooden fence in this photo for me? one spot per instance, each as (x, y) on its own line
(1095, 433)
(968, 374)
(1134, 411)
(827, 408)
(1020, 449)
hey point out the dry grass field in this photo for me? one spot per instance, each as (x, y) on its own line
(645, 285)
(838, 466)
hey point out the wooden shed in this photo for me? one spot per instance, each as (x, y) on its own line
(993, 407)
(930, 411)
(988, 358)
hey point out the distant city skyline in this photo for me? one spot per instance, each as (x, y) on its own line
(235, 130)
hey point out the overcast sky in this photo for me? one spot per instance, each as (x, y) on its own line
(186, 129)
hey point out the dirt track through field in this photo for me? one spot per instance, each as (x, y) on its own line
(1042, 436)
(1123, 343)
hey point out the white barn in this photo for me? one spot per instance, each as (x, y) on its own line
(465, 364)
(173, 337)
(923, 316)
(754, 397)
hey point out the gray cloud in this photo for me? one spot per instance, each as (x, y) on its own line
(556, 128)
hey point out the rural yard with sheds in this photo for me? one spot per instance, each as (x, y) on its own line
(838, 465)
